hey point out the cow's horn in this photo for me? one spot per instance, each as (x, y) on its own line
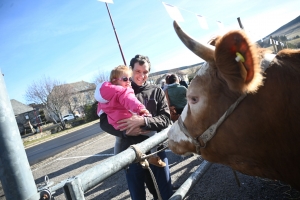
(206, 52)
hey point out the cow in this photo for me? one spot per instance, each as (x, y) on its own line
(243, 108)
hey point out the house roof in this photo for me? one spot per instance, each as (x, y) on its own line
(81, 86)
(19, 107)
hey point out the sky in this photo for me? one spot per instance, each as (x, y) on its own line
(73, 41)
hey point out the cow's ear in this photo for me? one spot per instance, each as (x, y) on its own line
(244, 75)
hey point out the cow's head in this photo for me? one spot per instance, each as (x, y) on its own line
(216, 86)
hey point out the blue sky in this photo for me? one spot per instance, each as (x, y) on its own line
(74, 40)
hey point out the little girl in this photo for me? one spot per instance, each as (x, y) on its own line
(116, 98)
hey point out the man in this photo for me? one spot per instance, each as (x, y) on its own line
(154, 99)
(176, 94)
(182, 82)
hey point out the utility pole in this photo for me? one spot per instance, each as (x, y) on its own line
(240, 23)
(112, 23)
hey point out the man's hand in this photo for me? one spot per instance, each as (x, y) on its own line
(132, 125)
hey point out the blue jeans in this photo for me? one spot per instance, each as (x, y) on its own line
(135, 176)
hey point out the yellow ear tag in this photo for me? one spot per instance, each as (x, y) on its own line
(239, 57)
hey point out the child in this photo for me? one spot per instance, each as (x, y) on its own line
(116, 98)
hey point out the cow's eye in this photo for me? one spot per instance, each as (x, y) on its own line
(193, 99)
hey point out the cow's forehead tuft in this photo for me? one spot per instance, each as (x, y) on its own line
(203, 69)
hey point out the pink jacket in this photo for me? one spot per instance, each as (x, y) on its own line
(117, 102)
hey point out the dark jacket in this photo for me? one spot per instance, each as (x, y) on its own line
(177, 95)
(154, 99)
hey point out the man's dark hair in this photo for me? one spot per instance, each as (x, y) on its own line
(172, 78)
(141, 60)
(167, 78)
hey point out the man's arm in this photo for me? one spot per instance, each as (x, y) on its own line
(133, 125)
(162, 118)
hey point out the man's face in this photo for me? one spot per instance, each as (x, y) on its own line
(140, 73)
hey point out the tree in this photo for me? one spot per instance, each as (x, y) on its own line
(91, 112)
(43, 92)
(79, 97)
(101, 77)
(57, 99)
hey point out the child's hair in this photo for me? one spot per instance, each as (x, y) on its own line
(118, 71)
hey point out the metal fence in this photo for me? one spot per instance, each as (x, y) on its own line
(75, 187)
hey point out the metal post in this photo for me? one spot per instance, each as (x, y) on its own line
(15, 173)
(112, 23)
(191, 181)
(240, 23)
(74, 190)
(279, 46)
(275, 50)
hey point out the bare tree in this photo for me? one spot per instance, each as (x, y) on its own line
(58, 98)
(101, 76)
(46, 91)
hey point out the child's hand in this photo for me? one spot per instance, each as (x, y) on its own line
(145, 112)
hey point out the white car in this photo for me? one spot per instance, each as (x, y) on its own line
(68, 117)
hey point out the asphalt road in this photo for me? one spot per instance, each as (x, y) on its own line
(50, 148)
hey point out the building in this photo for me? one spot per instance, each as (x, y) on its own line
(73, 97)
(26, 116)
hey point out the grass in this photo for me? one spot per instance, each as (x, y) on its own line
(55, 135)
(294, 41)
(45, 138)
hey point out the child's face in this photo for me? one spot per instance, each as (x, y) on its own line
(124, 80)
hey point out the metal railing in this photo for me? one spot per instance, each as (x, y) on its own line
(75, 187)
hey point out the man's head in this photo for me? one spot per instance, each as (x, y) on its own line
(173, 78)
(140, 66)
(167, 78)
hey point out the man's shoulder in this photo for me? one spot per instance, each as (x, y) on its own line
(155, 87)
(152, 88)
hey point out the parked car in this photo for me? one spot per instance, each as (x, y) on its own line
(77, 116)
(68, 117)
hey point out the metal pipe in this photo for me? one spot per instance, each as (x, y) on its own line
(15, 173)
(191, 181)
(112, 23)
(110, 166)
